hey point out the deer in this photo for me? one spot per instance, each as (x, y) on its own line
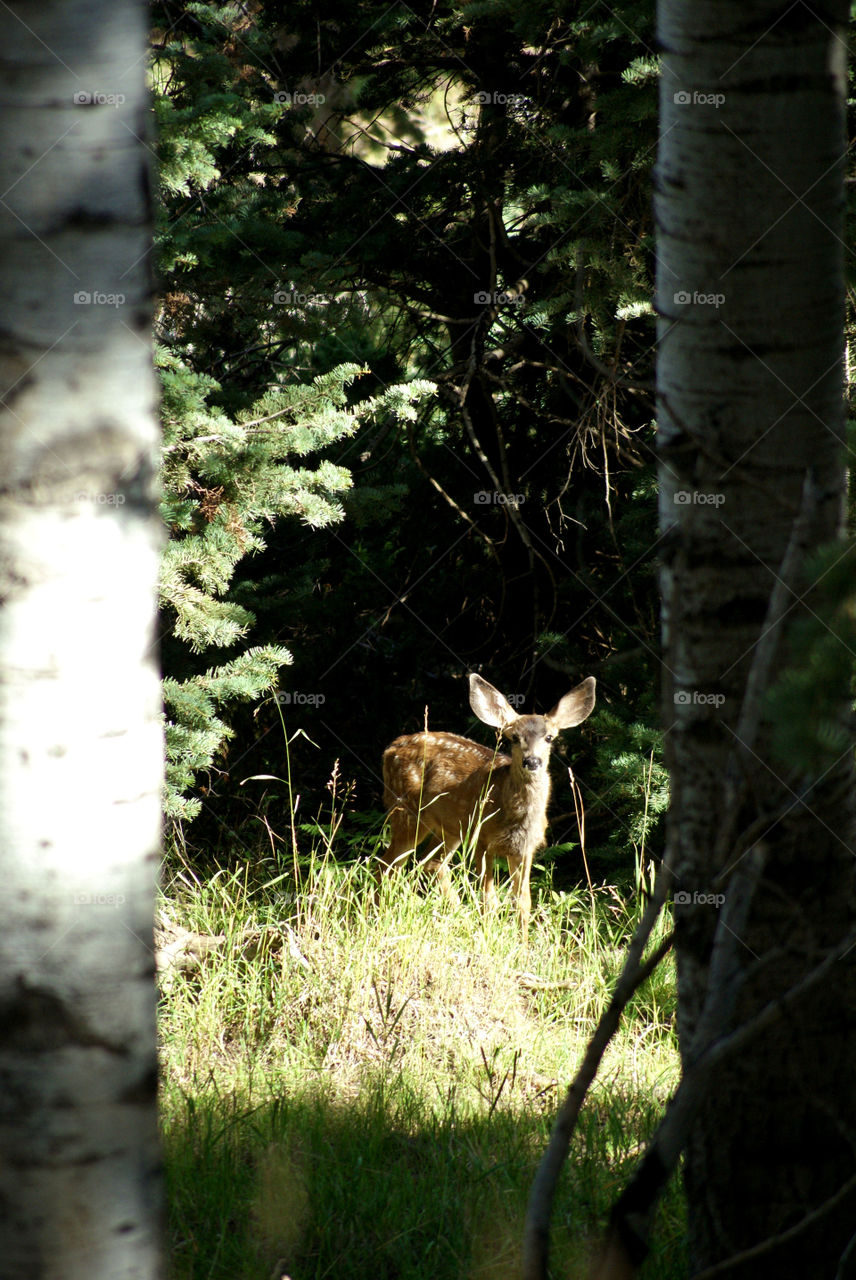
(449, 787)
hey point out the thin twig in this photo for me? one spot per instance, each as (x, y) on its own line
(579, 809)
(447, 497)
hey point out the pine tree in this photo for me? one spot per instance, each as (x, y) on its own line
(225, 482)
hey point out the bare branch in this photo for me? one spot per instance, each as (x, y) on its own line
(536, 1237)
(447, 497)
(783, 1237)
(626, 1243)
(628, 1231)
(627, 1239)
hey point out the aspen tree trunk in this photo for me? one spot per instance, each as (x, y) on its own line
(80, 740)
(750, 294)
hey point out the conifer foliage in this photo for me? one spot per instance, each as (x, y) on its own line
(451, 196)
(228, 477)
(225, 481)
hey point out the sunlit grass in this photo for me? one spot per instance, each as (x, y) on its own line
(357, 1089)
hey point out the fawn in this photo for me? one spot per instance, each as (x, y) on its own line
(447, 786)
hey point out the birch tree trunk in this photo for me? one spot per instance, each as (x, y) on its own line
(80, 749)
(750, 294)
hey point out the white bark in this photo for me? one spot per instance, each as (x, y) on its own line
(80, 749)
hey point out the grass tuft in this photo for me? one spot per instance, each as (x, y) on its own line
(360, 1090)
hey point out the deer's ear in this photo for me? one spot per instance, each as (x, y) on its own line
(575, 707)
(489, 704)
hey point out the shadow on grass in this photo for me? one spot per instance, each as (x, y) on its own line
(383, 1187)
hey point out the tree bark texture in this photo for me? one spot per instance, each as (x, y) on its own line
(750, 289)
(80, 735)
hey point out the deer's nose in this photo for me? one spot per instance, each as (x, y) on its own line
(532, 763)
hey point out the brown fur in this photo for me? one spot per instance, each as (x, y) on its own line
(450, 787)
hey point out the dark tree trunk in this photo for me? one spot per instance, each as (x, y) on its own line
(750, 293)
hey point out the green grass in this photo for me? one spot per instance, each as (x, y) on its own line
(359, 1091)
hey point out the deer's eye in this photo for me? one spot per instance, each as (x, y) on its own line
(548, 737)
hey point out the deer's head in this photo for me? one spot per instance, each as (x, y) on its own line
(530, 737)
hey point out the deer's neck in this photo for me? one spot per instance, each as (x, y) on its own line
(526, 790)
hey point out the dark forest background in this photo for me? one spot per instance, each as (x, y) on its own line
(405, 260)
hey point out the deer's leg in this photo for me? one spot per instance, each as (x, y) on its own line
(437, 862)
(402, 842)
(520, 868)
(484, 870)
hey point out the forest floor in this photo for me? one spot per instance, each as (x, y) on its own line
(359, 1091)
